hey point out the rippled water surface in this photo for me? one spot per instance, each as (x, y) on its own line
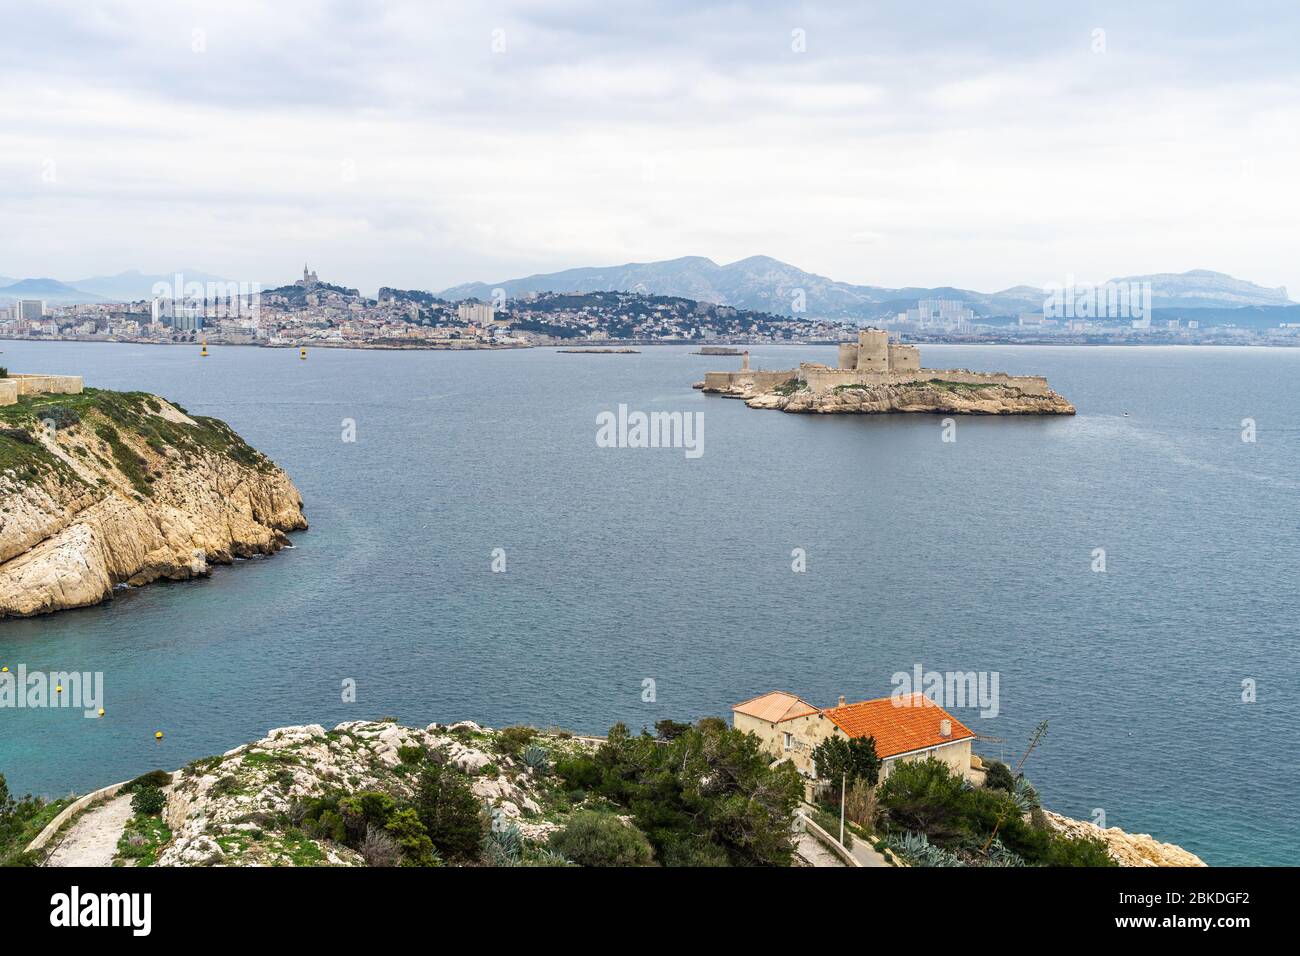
(630, 564)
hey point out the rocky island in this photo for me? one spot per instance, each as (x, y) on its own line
(876, 375)
(100, 489)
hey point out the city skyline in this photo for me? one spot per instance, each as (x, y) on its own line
(982, 150)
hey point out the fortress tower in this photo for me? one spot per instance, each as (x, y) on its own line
(873, 350)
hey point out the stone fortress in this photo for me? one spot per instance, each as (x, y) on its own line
(872, 360)
(12, 386)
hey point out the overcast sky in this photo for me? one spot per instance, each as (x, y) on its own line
(425, 144)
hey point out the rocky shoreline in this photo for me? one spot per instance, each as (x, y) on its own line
(1126, 849)
(105, 489)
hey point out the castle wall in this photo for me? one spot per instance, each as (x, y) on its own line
(904, 358)
(760, 379)
(8, 391)
(848, 355)
(47, 384)
(820, 378)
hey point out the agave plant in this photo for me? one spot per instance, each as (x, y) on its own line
(504, 845)
(999, 855)
(917, 848)
(1025, 796)
(534, 757)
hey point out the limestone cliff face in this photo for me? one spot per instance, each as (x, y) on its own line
(110, 488)
(937, 397)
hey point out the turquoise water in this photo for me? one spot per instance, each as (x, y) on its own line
(628, 564)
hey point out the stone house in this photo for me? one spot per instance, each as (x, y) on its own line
(907, 727)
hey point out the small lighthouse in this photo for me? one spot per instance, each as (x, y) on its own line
(744, 363)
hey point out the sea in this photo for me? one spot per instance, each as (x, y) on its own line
(1128, 575)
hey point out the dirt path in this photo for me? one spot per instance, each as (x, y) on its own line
(92, 840)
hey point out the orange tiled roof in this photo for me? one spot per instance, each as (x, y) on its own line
(775, 707)
(899, 725)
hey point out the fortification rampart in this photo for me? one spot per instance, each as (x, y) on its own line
(821, 378)
(758, 379)
(14, 386)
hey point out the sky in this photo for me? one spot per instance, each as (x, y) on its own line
(420, 145)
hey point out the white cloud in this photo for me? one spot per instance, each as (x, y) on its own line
(391, 145)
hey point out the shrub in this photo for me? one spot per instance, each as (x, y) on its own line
(712, 784)
(1077, 851)
(670, 729)
(328, 826)
(997, 776)
(449, 811)
(148, 800)
(412, 839)
(512, 740)
(838, 759)
(923, 795)
(411, 755)
(592, 838)
(154, 778)
(860, 804)
(379, 849)
(360, 811)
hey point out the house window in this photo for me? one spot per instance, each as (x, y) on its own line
(789, 739)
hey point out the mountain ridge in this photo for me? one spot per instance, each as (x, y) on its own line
(762, 283)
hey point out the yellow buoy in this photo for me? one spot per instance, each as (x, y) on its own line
(203, 352)
(101, 711)
(158, 735)
(4, 670)
(302, 354)
(58, 688)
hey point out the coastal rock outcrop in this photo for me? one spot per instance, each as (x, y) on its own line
(104, 489)
(1126, 849)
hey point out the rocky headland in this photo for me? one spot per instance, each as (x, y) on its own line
(102, 489)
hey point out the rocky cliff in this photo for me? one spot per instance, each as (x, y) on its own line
(107, 488)
(934, 397)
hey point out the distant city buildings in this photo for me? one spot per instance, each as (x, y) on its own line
(29, 309)
(949, 314)
(475, 313)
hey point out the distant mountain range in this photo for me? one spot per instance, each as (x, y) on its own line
(129, 286)
(764, 284)
(759, 283)
(51, 290)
